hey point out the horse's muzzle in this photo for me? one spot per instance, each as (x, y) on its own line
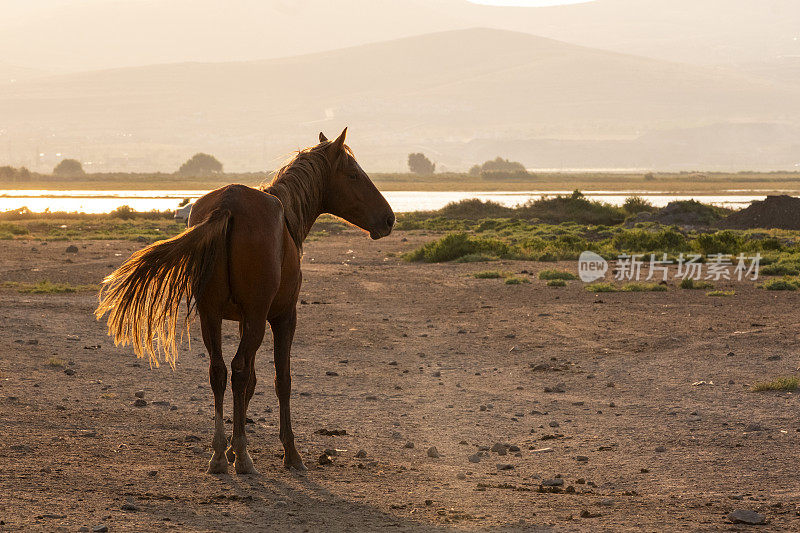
(383, 228)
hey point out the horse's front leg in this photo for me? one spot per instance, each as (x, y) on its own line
(283, 332)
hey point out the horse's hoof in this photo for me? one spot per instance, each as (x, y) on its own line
(244, 465)
(230, 454)
(296, 466)
(217, 465)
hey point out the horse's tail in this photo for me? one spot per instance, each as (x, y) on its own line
(143, 296)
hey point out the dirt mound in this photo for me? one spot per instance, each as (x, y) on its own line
(689, 213)
(781, 211)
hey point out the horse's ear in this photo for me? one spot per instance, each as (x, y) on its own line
(322, 137)
(336, 149)
(338, 144)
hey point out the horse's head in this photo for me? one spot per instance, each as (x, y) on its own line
(350, 194)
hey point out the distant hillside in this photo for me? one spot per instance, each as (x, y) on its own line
(447, 94)
(92, 34)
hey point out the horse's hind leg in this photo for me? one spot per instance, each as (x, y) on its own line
(283, 332)
(251, 387)
(242, 366)
(218, 374)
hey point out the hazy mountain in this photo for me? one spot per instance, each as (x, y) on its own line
(449, 94)
(14, 73)
(90, 34)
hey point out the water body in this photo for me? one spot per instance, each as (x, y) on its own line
(98, 201)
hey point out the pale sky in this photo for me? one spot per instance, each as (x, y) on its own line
(528, 3)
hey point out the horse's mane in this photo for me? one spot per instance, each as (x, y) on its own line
(299, 184)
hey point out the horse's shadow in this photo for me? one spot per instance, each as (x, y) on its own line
(291, 502)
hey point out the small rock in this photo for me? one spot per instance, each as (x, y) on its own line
(331, 373)
(475, 458)
(69, 372)
(72, 249)
(560, 387)
(555, 482)
(753, 427)
(325, 459)
(745, 516)
(504, 466)
(499, 448)
(661, 449)
(461, 475)
(129, 506)
(331, 452)
(281, 504)
(139, 394)
(139, 402)
(360, 454)
(437, 374)
(581, 458)
(606, 502)
(553, 424)
(513, 448)
(152, 473)
(408, 445)
(586, 514)
(100, 529)
(433, 452)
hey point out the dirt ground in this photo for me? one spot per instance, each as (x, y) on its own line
(396, 353)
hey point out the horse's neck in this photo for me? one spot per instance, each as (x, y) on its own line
(301, 206)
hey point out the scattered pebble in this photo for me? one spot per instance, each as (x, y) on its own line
(325, 459)
(560, 387)
(408, 445)
(504, 466)
(555, 482)
(139, 402)
(475, 458)
(139, 394)
(661, 449)
(745, 516)
(433, 452)
(360, 454)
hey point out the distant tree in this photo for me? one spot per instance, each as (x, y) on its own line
(201, 165)
(419, 164)
(69, 168)
(8, 173)
(499, 168)
(23, 174)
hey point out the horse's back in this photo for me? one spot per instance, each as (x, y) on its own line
(256, 246)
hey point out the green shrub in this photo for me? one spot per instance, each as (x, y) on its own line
(789, 383)
(552, 274)
(490, 274)
(13, 229)
(721, 242)
(689, 283)
(556, 283)
(637, 204)
(456, 245)
(515, 280)
(721, 293)
(779, 269)
(601, 287)
(643, 287)
(780, 285)
(641, 240)
(46, 287)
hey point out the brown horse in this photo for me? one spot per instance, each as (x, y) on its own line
(240, 260)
